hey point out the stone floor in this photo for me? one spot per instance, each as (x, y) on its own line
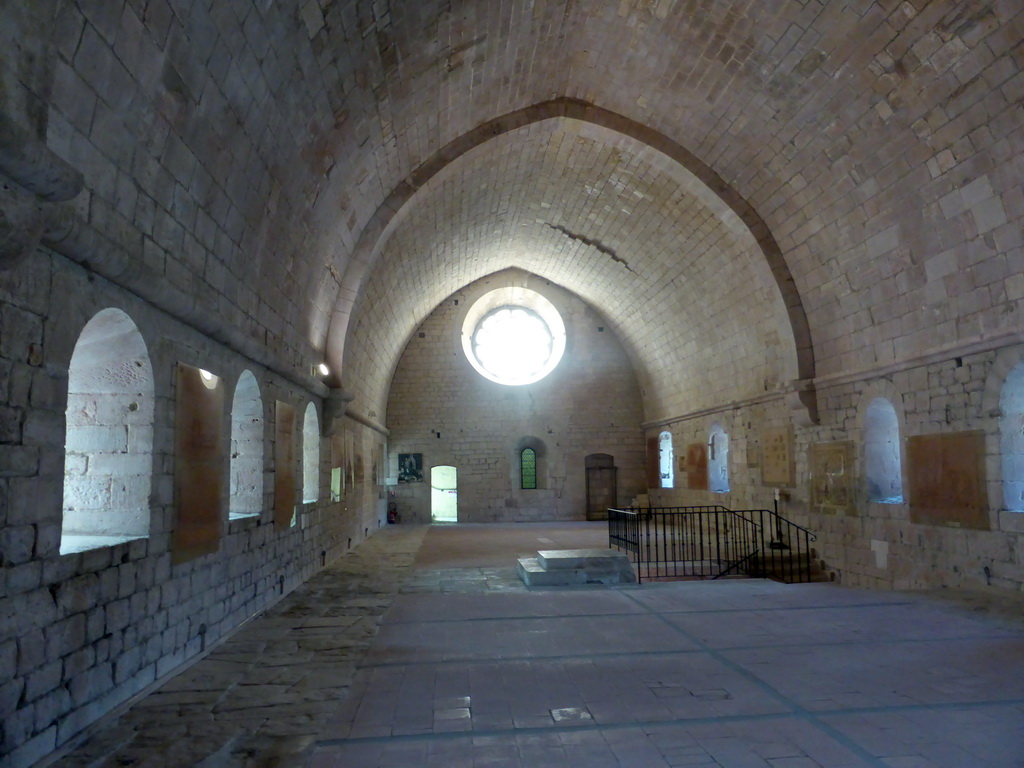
(422, 649)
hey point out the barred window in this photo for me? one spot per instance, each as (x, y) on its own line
(528, 469)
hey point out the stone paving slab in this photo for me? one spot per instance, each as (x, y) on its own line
(737, 673)
(376, 663)
(259, 697)
(464, 606)
(906, 621)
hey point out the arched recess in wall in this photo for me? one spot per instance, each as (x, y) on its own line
(527, 449)
(718, 459)
(377, 230)
(1011, 438)
(108, 461)
(666, 459)
(311, 455)
(246, 495)
(883, 467)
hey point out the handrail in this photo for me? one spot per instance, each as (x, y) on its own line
(711, 541)
(775, 513)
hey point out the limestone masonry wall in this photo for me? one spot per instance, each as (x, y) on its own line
(871, 543)
(81, 633)
(441, 407)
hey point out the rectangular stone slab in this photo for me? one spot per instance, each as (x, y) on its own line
(558, 559)
(534, 575)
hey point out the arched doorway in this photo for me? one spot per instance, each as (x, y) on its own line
(444, 495)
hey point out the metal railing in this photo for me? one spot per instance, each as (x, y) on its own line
(708, 542)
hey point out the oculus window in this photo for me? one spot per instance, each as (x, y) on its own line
(513, 336)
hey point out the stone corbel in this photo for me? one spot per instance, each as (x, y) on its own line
(802, 400)
(335, 403)
(32, 179)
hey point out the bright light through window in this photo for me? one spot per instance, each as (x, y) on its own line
(513, 344)
(513, 336)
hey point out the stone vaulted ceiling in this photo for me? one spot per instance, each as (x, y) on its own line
(752, 193)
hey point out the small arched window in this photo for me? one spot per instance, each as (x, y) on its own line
(108, 459)
(718, 460)
(666, 459)
(528, 469)
(246, 448)
(1011, 438)
(310, 455)
(882, 465)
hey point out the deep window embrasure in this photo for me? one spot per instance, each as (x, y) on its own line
(108, 461)
(882, 465)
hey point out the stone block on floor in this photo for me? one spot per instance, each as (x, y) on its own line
(564, 567)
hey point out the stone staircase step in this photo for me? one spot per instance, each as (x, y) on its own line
(563, 567)
(534, 574)
(561, 559)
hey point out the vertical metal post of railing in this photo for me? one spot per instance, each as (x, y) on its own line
(698, 536)
(805, 557)
(677, 541)
(667, 519)
(645, 538)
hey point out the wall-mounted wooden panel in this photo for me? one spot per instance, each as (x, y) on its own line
(199, 463)
(832, 479)
(946, 474)
(284, 465)
(350, 464)
(337, 464)
(697, 467)
(653, 463)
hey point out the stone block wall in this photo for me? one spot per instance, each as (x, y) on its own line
(877, 544)
(82, 633)
(441, 407)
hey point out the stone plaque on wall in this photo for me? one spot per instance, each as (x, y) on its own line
(697, 467)
(284, 465)
(946, 475)
(777, 457)
(199, 463)
(832, 486)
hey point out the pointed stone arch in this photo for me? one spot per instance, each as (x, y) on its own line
(377, 230)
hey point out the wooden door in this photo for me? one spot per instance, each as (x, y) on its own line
(601, 485)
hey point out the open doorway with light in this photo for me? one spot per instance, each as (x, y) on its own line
(444, 495)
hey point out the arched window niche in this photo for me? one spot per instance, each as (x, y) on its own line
(1011, 438)
(310, 455)
(882, 463)
(246, 495)
(718, 459)
(530, 464)
(528, 469)
(666, 460)
(108, 461)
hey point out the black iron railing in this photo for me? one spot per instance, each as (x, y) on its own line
(708, 542)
